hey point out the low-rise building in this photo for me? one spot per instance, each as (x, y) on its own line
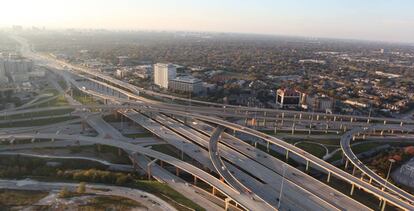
(186, 84)
(317, 103)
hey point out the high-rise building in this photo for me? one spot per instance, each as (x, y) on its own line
(287, 98)
(163, 73)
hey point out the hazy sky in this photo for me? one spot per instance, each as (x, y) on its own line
(391, 20)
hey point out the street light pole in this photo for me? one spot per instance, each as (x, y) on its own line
(389, 170)
(281, 186)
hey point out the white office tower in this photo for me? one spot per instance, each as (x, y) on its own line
(163, 73)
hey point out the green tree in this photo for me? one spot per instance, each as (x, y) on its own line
(64, 192)
(81, 188)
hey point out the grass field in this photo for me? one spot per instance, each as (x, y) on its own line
(12, 198)
(140, 135)
(39, 122)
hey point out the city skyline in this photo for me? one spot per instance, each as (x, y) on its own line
(368, 20)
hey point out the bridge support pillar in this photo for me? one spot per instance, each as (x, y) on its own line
(352, 189)
(382, 132)
(293, 128)
(283, 117)
(162, 164)
(300, 116)
(346, 163)
(255, 144)
(329, 177)
(214, 191)
(334, 119)
(307, 165)
(83, 126)
(327, 128)
(352, 119)
(177, 171)
(385, 122)
(401, 123)
(287, 155)
(149, 172)
(353, 170)
(119, 152)
(268, 146)
(317, 117)
(195, 180)
(99, 147)
(226, 205)
(370, 180)
(384, 204)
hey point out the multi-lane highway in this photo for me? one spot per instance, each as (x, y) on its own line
(242, 169)
(350, 155)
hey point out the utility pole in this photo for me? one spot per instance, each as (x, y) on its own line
(281, 186)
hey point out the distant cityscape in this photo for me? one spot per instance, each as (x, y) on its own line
(125, 120)
(328, 75)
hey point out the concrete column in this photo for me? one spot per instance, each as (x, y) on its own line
(195, 180)
(401, 123)
(293, 128)
(149, 172)
(226, 205)
(177, 171)
(384, 204)
(268, 146)
(317, 117)
(307, 165)
(255, 144)
(119, 152)
(334, 118)
(352, 119)
(353, 170)
(287, 155)
(385, 122)
(346, 163)
(283, 116)
(352, 189)
(329, 177)
(214, 191)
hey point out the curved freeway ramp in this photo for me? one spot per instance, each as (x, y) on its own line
(219, 164)
(243, 200)
(346, 148)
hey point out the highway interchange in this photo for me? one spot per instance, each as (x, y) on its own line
(249, 177)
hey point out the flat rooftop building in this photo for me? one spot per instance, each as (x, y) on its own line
(186, 84)
(287, 98)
